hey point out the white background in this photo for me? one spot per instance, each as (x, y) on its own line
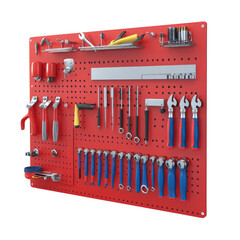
(30, 213)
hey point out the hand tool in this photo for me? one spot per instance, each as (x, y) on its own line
(29, 172)
(183, 126)
(113, 154)
(121, 130)
(137, 139)
(129, 133)
(33, 130)
(171, 166)
(152, 160)
(183, 165)
(45, 40)
(33, 153)
(46, 175)
(36, 70)
(146, 125)
(92, 151)
(36, 48)
(101, 38)
(144, 186)
(170, 124)
(105, 104)
(51, 71)
(195, 103)
(160, 72)
(86, 151)
(61, 41)
(99, 153)
(106, 153)
(68, 66)
(44, 105)
(160, 163)
(78, 107)
(98, 114)
(137, 158)
(54, 152)
(83, 38)
(55, 119)
(130, 39)
(112, 97)
(69, 42)
(129, 157)
(121, 155)
(152, 34)
(79, 162)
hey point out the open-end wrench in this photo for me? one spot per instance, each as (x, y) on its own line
(183, 126)
(195, 103)
(160, 163)
(99, 153)
(113, 154)
(170, 124)
(129, 133)
(121, 130)
(83, 38)
(152, 160)
(144, 186)
(92, 151)
(137, 139)
(79, 162)
(129, 157)
(183, 165)
(171, 166)
(121, 155)
(137, 158)
(86, 151)
(106, 153)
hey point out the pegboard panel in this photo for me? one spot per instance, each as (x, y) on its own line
(78, 87)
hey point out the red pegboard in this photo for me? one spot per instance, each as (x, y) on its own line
(78, 87)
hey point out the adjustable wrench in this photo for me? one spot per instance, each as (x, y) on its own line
(113, 154)
(121, 155)
(83, 38)
(106, 153)
(99, 152)
(170, 124)
(129, 157)
(171, 166)
(152, 160)
(86, 151)
(144, 186)
(79, 162)
(183, 126)
(137, 158)
(92, 151)
(183, 165)
(195, 103)
(129, 134)
(160, 163)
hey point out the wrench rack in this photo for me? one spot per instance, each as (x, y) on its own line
(78, 87)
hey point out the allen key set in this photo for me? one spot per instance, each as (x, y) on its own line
(121, 115)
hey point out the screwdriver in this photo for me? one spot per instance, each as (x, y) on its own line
(112, 97)
(121, 130)
(146, 125)
(105, 104)
(98, 114)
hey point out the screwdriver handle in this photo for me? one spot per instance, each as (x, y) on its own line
(86, 167)
(170, 129)
(44, 124)
(161, 180)
(146, 124)
(153, 177)
(99, 169)
(113, 171)
(55, 125)
(195, 134)
(183, 183)
(129, 174)
(79, 165)
(106, 171)
(137, 127)
(92, 170)
(98, 117)
(121, 171)
(172, 182)
(129, 124)
(183, 133)
(138, 177)
(121, 118)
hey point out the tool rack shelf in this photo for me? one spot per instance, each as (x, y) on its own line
(77, 87)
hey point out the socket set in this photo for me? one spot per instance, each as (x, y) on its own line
(121, 115)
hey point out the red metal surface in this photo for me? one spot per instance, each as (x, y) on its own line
(78, 87)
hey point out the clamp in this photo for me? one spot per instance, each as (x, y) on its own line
(129, 157)
(144, 186)
(106, 153)
(121, 155)
(152, 160)
(113, 154)
(171, 166)
(183, 165)
(99, 153)
(86, 151)
(92, 151)
(137, 158)
(160, 163)
(79, 162)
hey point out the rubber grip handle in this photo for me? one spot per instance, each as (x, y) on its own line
(161, 181)
(44, 124)
(183, 184)
(98, 117)
(106, 171)
(183, 133)
(86, 165)
(129, 124)
(55, 131)
(195, 133)
(146, 124)
(137, 126)
(121, 171)
(79, 165)
(129, 174)
(99, 170)
(76, 116)
(144, 179)
(33, 131)
(172, 182)
(138, 177)
(121, 118)
(92, 169)
(170, 129)
(113, 171)
(153, 176)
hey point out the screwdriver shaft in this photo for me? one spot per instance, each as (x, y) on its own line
(112, 97)
(98, 114)
(105, 104)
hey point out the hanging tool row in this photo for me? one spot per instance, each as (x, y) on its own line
(170, 164)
